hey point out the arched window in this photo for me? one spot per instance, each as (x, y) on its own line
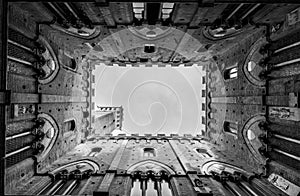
(150, 178)
(49, 66)
(69, 125)
(149, 152)
(218, 32)
(231, 127)
(69, 176)
(68, 62)
(94, 151)
(203, 153)
(231, 73)
(150, 183)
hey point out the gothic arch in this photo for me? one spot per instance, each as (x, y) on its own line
(254, 57)
(72, 122)
(150, 165)
(208, 166)
(89, 163)
(254, 120)
(53, 58)
(93, 33)
(50, 124)
(220, 33)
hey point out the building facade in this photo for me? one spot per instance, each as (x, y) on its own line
(107, 119)
(250, 144)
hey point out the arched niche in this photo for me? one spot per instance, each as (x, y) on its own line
(83, 33)
(149, 152)
(51, 66)
(213, 165)
(67, 61)
(70, 125)
(203, 152)
(231, 73)
(221, 33)
(150, 165)
(84, 163)
(51, 131)
(251, 66)
(250, 133)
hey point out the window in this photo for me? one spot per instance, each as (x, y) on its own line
(149, 48)
(94, 151)
(202, 132)
(149, 152)
(138, 10)
(203, 106)
(69, 62)
(231, 73)
(203, 153)
(69, 173)
(70, 125)
(231, 127)
(166, 10)
(203, 120)
(203, 80)
(150, 184)
(203, 93)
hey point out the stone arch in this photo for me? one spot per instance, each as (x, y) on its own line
(231, 73)
(53, 57)
(149, 152)
(254, 57)
(132, 139)
(150, 165)
(71, 123)
(210, 34)
(207, 166)
(89, 163)
(49, 141)
(254, 120)
(93, 33)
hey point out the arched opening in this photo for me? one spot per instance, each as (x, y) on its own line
(149, 152)
(68, 62)
(69, 125)
(231, 73)
(95, 151)
(222, 32)
(49, 66)
(250, 133)
(50, 131)
(230, 127)
(150, 178)
(203, 153)
(68, 177)
(251, 67)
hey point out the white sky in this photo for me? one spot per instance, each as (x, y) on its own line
(155, 99)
